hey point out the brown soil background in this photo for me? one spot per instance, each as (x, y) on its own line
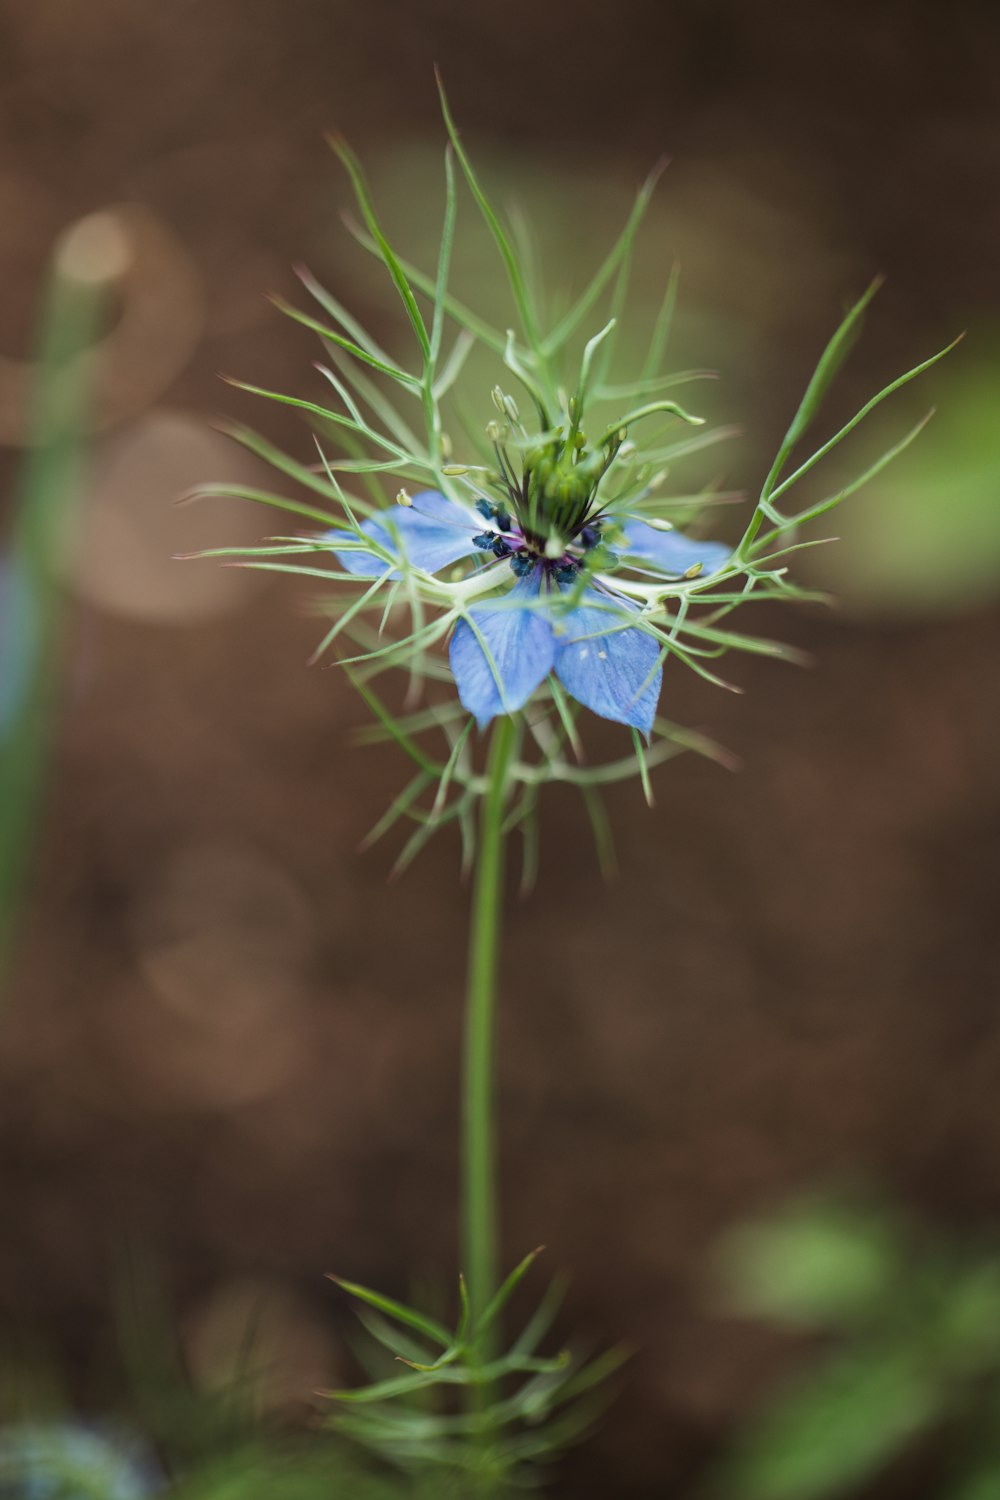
(228, 1036)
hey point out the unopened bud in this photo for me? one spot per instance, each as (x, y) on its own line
(511, 409)
(497, 397)
(694, 570)
(455, 471)
(404, 498)
(493, 432)
(446, 447)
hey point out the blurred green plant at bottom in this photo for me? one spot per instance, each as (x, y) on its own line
(910, 1328)
(71, 1461)
(171, 1434)
(325, 1474)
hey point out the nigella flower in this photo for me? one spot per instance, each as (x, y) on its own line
(548, 544)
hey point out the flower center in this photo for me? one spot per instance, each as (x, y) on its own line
(550, 490)
(506, 538)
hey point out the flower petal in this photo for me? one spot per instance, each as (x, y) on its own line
(671, 551)
(519, 641)
(432, 532)
(609, 669)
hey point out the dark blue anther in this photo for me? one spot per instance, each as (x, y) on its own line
(501, 548)
(485, 509)
(590, 536)
(566, 572)
(485, 539)
(503, 518)
(522, 563)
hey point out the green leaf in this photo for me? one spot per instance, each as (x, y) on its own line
(429, 1327)
(398, 808)
(386, 251)
(262, 497)
(444, 261)
(386, 1334)
(661, 329)
(835, 1430)
(868, 407)
(496, 1303)
(326, 415)
(518, 285)
(616, 257)
(822, 378)
(813, 512)
(642, 763)
(816, 1266)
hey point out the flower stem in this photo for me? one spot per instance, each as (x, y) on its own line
(479, 1166)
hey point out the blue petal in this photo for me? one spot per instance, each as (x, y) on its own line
(519, 639)
(610, 670)
(362, 564)
(432, 532)
(671, 551)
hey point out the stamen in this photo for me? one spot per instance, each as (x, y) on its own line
(522, 563)
(485, 539)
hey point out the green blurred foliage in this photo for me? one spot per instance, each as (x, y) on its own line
(911, 1325)
(822, 1267)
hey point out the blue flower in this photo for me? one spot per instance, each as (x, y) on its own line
(553, 619)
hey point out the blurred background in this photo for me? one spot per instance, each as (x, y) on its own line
(227, 1039)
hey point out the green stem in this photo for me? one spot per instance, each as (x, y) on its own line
(479, 1166)
(88, 261)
